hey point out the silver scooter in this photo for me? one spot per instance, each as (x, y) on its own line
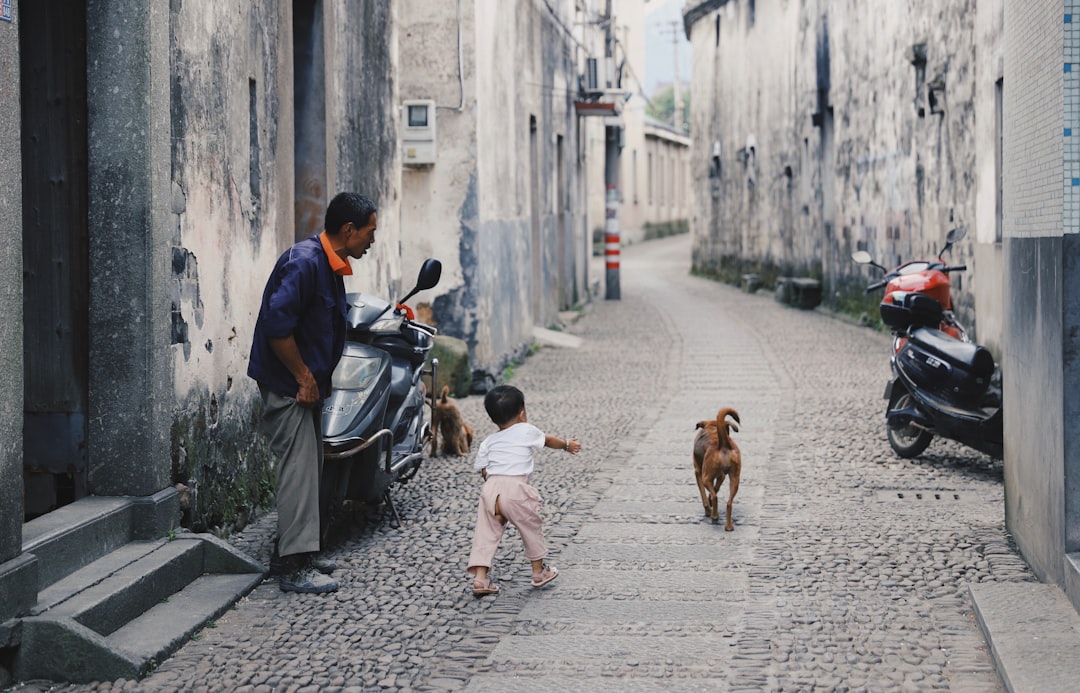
(374, 424)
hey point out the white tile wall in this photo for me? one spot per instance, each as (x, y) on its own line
(1071, 130)
(1040, 159)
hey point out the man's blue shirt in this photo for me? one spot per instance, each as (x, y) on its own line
(304, 298)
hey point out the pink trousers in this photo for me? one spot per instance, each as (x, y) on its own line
(519, 504)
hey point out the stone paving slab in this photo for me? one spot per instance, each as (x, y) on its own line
(684, 491)
(687, 652)
(647, 617)
(697, 533)
(1034, 633)
(597, 555)
(493, 683)
(703, 585)
(689, 506)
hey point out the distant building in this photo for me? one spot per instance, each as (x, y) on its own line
(654, 171)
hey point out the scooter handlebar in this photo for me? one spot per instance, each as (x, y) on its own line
(955, 268)
(876, 285)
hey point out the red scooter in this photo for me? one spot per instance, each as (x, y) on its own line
(943, 384)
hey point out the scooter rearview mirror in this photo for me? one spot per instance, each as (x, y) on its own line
(955, 235)
(862, 257)
(430, 272)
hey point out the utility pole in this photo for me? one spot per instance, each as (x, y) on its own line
(677, 107)
(612, 146)
(677, 116)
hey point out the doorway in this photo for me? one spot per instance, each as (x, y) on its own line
(52, 48)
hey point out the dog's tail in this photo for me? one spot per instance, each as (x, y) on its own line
(445, 393)
(724, 427)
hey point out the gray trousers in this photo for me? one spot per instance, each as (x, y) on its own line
(295, 436)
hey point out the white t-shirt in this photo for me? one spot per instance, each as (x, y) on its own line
(510, 451)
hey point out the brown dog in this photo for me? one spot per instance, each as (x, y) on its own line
(457, 436)
(715, 456)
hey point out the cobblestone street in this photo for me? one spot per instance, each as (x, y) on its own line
(847, 568)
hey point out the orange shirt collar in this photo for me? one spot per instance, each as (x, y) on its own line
(340, 266)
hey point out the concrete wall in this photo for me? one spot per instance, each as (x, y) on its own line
(853, 126)
(499, 207)
(11, 296)
(235, 209)
(1043, 282)
(232, 215)
(438, 62)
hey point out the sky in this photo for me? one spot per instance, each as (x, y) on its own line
(659, 48)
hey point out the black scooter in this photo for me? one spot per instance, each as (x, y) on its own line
(373, 424)
(943, 383)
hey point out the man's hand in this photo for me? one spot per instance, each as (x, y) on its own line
(307, 395)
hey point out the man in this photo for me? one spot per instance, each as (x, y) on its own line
(298, 341)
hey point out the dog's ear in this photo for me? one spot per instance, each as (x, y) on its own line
(700, 424)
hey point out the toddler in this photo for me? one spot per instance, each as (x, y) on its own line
(505, 459)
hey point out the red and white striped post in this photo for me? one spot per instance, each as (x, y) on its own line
(611, 212)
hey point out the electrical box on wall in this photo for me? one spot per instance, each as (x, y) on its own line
(418, 132)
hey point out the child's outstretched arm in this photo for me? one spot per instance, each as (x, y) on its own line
(571, 445)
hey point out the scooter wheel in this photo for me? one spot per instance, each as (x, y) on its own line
(907, 441)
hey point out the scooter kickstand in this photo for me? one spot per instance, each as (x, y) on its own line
(393, 511)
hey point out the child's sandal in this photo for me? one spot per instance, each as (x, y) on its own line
(545, 576)
(481, 588)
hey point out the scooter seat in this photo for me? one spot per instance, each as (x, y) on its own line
(972, 358)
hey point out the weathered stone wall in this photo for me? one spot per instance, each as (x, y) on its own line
(235, 209)
(827, 126)
(435, 219)
(499, 207)
(11, 297)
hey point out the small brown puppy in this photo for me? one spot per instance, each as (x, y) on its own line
(457, 436)
(715, 456)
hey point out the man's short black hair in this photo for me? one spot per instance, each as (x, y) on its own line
(346, 207)
(503, 403)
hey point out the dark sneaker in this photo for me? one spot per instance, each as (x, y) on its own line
(307, 580)
(324, 565)
(279, 566)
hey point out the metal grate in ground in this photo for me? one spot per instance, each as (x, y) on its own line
(921, 495)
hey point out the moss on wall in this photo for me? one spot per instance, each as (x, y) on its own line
(849, 298)
(221, 455)
(666, 228)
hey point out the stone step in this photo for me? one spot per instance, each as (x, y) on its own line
(1033, 632)
(187, 611)
(121, 614)
(95, 573)
(77, 534)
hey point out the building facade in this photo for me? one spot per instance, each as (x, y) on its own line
(168, 154)
(854, 127)
(499, 199)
